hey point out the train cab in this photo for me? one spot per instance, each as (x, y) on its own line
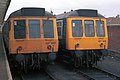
(82, 33)
(30, 36)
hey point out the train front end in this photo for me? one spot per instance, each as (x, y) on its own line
(86, 33)
(83, 36)
(33, 38)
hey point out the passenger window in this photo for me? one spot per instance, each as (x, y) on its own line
(100, 28)
(59, 28)
(19, 29)
(59, 23)
(48, 29)
(59, 31)
(34, 28)
(77, 28)
(89, 28)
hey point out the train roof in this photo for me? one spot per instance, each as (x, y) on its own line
(80, 13)
(31, 12)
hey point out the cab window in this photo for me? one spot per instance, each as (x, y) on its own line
(48, 29)
(59, 28)
(19, 29)
(89, 28)
(59, 31)
(77, 28)
(100, 28)
(34, 28)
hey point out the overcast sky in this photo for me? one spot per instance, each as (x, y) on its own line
(105, 7)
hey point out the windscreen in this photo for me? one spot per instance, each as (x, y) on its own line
(77, 28)
(48, 28)
(89, 28)
(34, 28)
(100, 28)
(19, 29)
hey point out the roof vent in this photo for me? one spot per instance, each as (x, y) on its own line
(118, 16)
(71, 9)
(33, 11)
(65, 12)
(87, 12)
(51, 12)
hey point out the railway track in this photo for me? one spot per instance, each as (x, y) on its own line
(50, 75)
(21, 77)
(98, 74)
(17, 76)
(34, 75)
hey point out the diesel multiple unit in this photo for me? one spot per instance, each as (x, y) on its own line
(82, 36)
(30, 37)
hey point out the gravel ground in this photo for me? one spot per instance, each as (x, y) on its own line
(62, 73)
(32, 75)
(110, 64)
(36, 75)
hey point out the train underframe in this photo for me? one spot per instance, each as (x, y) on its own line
(31, 61)
(82, 58)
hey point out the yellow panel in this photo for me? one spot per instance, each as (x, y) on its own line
(87, 43)
(33, 46)
(39, 45)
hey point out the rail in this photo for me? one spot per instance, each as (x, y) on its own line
(98, 74)
(50, 75)
(21, 77)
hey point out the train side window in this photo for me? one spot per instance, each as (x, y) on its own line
(34, 28)
(48, 28)
(19, 29)
(59, 28)
(100, 28)
(89, 28)
(77, 28)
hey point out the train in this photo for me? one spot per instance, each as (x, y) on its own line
(30, 37)
(34, 37)
(83, 37)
